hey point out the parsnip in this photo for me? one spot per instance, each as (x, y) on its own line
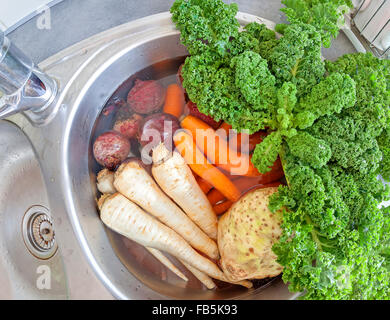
(126, 218)
(132, 181)
(202, 277)
(157, 254)
(166, 262)
(105, 181)
(175, 178)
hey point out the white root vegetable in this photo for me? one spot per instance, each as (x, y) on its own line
(175, 178)
(129, 220)
(202, 277)
(157, 254)
(101, 200)
(166, 262)
(105, 181)
(132, 181)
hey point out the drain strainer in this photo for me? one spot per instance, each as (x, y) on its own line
(38, 232)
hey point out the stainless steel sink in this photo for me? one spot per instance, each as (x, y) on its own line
(88, 74)
(30, 266)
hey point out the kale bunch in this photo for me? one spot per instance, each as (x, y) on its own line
(329, 122)
(336, 240)
(254, 81)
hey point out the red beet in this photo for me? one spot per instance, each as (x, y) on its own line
(110, 149)
(194, 111)
(146, 96)
(158, 127)
(128, 127)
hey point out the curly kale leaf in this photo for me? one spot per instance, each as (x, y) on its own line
(325, 15)
(335, 93)
(352, 143)
(281, 120)
(297, 58)
(205, 25)
(265, 37)
(266, 153)
(384, 146)
(254, 79)
(212, 86)
(372, 77)
(310, 150)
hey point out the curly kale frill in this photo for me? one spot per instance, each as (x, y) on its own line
(332, 95)
(205, 25)
(252, 73)
(297, 58)
(326, 16)
(384, 147)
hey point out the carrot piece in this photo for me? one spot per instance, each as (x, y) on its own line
(222, 207)
(185, 144)
(237, 143)
(226, 127)
(204, 185)
(246, 183)
(217, 149)
(174, 101)
(215, 196)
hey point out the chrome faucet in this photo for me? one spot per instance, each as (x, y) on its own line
(23, 86)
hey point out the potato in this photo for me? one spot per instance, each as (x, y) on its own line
(246, 234)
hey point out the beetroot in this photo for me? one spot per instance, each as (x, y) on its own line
(110, 149)
(158, 127)
(128, 127)
(194, 111)
(146, 96)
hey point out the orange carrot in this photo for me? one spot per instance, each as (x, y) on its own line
(226, 127)
(215, 196)
(174, 101)
(217, 149)
(244, 184)
(197, 161)
(222, 207)
(203, 184)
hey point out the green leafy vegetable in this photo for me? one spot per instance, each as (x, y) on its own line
(297, 57)
(335, 242)
(384, 146)
(325, 15)
(205, 25)
(328, 121)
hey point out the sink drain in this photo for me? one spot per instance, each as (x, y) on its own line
(38, 232)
